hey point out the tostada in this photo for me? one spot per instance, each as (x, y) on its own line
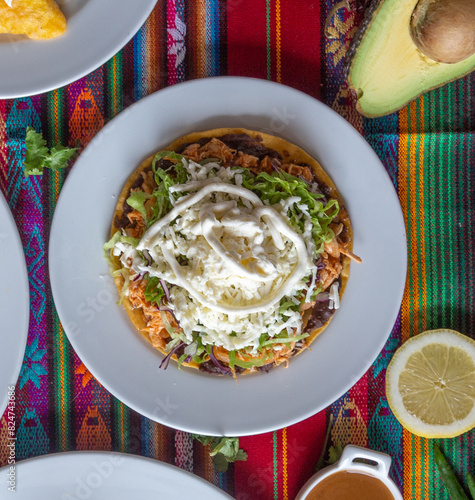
(230, 249)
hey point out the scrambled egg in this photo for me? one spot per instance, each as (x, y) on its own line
(38, 19)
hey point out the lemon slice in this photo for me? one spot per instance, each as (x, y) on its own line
(430, 384)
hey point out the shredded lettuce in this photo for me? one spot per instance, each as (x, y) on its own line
(250, 363)
(154, 291)
(285, 340)
(130, 240)
(124, 272)
(285, 305)
(172, 344)
(180, 173)
(232, 359)
(275, 188)
(200, 355)
(137, 201)
(117, 236)
(169, 328)
(164, 181)
(317, 290)
(171, 155)
(211, 160)
(107, 247)
(181, 359)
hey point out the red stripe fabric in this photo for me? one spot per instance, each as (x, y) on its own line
(254, 477)
(246, 38)
(297, 452)
(304, 445)
(301, 45)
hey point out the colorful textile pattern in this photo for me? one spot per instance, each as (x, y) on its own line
(428, 149)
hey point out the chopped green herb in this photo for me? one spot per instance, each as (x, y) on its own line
(38, 156)
(224, 450)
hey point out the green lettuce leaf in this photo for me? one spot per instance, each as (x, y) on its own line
(109, 245)
(285, 340)
(117, 236)
(154, 291)
(171, 155)
(250, 364)
(137, 201)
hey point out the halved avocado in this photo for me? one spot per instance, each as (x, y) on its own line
(385, 69)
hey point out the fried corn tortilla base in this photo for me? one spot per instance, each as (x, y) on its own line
(290, 153)
(38, 19)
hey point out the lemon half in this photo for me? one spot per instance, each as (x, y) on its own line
(430, 384)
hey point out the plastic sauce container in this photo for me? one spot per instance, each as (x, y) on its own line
(351, 479)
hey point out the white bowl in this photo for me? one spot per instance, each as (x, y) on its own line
(349, 461)
(127, 365)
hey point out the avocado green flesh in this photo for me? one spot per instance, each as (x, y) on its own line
(388, 70)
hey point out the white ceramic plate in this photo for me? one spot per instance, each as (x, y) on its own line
(103, 476)
(101, 332)
(14, 303)
(97, 29)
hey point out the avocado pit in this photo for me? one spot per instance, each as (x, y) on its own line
(444, 30)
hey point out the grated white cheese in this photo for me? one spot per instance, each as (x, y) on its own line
(231, 259)
(334, 296)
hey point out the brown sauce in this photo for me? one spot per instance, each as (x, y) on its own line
(346, 485)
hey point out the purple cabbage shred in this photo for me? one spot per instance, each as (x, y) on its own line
(303, 179)
(147, 257)
(223, 369)
(166, 359)
(166, 308)
(166, 291)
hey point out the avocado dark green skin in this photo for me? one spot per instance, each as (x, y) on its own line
(368, 15)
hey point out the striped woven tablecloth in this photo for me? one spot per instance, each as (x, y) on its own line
(428, 149)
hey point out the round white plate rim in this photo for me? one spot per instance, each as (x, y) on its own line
(44, 464)
(261, 423)
(15, 304)
(59, 49)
